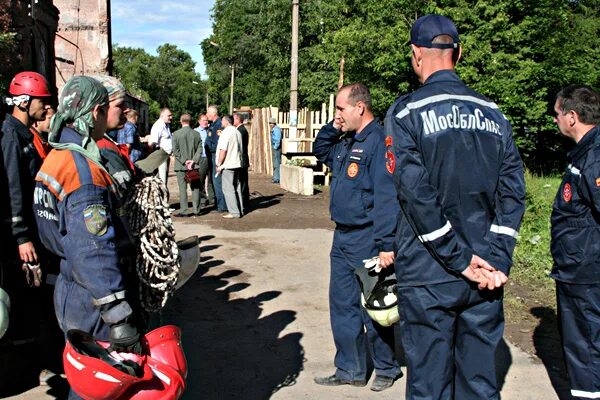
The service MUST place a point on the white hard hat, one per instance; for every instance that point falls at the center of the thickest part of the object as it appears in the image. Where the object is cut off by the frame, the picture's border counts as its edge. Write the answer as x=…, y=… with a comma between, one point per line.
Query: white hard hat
x=382, y=303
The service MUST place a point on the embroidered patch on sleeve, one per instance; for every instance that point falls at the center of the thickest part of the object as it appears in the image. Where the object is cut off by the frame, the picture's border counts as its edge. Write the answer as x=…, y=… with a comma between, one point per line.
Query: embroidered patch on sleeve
x=567, y=193
x=390, y=161
x=95, y=219
x=389, y=141
x=597, y=181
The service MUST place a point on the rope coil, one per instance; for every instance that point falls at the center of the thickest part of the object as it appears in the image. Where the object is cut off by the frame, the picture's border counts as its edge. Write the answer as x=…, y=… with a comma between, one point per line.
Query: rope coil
x=157, y=259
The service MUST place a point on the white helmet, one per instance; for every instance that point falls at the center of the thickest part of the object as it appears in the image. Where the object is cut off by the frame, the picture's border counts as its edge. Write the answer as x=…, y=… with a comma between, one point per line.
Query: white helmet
x=4, y=310
x=382, y=303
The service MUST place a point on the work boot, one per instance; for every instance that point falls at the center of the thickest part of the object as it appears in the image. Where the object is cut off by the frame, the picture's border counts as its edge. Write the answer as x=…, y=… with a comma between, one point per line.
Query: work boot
x=334, y=380
x=381, y=383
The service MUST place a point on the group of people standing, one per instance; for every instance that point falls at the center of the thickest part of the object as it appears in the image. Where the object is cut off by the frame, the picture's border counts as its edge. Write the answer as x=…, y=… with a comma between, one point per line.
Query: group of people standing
x=437, y=196
x=217, y=149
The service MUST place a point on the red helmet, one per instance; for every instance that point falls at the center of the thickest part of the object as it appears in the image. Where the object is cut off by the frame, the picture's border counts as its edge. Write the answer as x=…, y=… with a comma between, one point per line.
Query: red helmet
x=96, y=374
x=29, y=83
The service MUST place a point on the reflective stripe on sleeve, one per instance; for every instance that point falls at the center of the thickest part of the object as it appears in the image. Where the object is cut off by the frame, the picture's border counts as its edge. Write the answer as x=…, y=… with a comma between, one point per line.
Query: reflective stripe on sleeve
x=438, y=233
x=110, y=298
x=504, y=230
x=573, y=170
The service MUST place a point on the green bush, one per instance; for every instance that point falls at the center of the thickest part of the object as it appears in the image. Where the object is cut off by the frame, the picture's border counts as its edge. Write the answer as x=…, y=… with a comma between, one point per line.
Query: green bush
x=532, y=260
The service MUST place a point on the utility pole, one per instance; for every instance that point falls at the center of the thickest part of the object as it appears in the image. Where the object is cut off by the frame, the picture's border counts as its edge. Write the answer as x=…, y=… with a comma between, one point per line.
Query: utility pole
x=232, y=66
x=294, y=77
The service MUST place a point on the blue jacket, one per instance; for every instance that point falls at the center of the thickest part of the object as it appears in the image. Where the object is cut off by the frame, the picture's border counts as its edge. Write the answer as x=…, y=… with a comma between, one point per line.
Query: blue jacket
x=459, y=179
x=81, y=220
x=362, y=191
x=575, y=217
x=276, y=138
x=214, y=131
x=20, y=163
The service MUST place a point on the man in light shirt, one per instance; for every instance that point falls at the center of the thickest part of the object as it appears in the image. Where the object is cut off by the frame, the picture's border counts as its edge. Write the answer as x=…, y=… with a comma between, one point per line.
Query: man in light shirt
x=160, y=137
x=229, y=163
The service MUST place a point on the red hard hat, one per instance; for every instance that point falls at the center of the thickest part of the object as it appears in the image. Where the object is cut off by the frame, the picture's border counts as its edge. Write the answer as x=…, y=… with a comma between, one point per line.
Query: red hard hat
x=29, y=83
x=96, y=374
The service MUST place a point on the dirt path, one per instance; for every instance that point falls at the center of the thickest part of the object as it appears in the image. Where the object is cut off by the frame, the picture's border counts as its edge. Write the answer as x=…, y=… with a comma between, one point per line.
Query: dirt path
x=255, y=315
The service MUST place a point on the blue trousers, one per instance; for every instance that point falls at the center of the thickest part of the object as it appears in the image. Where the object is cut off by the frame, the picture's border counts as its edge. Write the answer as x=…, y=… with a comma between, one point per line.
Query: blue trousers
x=450, y=332
x=348, y=317
x=220, y=198
x=579, y=319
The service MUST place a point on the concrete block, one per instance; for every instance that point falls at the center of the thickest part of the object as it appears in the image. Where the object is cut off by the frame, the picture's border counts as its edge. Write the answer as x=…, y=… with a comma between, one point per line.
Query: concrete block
x=297, y=179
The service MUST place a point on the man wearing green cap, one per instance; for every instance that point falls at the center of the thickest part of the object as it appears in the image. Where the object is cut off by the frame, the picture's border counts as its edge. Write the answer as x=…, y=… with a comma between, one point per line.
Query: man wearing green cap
x=80, y=218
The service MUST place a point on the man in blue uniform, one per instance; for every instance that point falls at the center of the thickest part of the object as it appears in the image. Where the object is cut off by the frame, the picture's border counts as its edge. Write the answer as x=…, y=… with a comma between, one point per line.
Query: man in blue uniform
x=461, y=189
x=214, y=131
x=576, y=240
x=364, y=208
x=81, y=219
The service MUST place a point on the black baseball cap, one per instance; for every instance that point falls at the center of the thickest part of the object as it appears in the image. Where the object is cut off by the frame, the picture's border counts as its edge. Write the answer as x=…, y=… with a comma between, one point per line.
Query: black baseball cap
x=427, y=27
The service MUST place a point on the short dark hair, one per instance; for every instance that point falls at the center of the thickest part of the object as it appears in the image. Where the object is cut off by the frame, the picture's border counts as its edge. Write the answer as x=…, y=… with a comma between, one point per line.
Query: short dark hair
x=581, y=99
x=358, y=92
x=229, y=118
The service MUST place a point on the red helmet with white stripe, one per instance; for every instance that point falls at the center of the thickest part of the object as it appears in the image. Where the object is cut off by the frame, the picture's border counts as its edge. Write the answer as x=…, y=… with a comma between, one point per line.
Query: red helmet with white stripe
x=96, y=374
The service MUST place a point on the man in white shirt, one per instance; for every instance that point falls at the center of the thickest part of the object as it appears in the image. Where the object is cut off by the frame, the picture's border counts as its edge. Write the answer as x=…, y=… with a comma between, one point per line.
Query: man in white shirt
x=229, y=163
x=160, y=137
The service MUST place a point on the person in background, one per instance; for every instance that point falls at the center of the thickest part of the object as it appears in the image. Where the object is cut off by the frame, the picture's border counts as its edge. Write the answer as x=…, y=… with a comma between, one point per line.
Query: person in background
x=214, y=131
x=229, y=162
x=40, y=130
x=207, y=192
x=461, y=188
x=161, y=137
x=275, y=148
x=238, y=122
x=115, y=157
x=187, y=150
x=575, y=243
x=129, y=137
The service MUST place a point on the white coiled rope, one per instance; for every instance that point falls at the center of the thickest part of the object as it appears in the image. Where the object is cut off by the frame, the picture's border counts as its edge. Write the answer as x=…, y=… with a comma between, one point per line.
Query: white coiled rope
x=157, y=260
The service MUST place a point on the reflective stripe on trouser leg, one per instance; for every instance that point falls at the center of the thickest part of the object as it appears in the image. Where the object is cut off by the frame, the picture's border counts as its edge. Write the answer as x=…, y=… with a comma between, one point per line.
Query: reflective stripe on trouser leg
x=579, y=316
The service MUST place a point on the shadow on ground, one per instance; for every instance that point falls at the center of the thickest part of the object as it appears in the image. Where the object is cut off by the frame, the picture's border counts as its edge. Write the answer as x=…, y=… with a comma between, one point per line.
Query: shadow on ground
x=546, y=339
x=233, y=350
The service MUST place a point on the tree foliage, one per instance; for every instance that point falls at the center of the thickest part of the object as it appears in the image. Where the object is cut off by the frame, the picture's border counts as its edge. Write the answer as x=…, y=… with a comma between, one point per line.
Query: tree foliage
x=165, y=80
x=519, y=53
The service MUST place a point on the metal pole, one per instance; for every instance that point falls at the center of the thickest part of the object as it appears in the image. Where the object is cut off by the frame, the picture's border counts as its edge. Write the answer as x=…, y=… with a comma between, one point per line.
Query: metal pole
x=294, y=77
x=231, y=89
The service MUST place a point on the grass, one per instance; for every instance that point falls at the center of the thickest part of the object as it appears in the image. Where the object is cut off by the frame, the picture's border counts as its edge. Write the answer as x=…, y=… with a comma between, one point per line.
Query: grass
x=532, y=260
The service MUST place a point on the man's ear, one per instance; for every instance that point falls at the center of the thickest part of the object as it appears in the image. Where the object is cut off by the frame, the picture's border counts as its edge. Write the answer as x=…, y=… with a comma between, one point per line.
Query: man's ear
x=456, y=56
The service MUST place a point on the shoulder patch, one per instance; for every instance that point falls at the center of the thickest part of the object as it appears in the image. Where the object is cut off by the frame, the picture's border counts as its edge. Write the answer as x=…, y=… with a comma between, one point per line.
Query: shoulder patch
x=95, y=219
x=597, y=181
x=567, y=192
x=389, y=141
x=390, y=161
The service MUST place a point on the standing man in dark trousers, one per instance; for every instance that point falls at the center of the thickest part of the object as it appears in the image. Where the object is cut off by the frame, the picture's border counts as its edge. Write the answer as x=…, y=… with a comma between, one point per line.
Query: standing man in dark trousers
x=576, y=240
x=461, y=188
x=187, y=150
x=28, y=98
x=364, y=208
x=207, y=193
x=214, y=131
x=239, y=124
